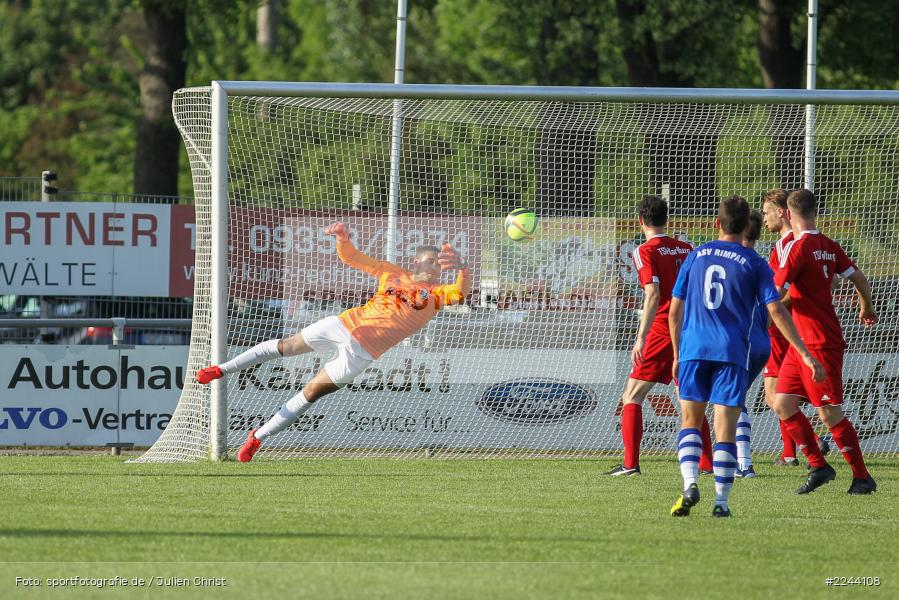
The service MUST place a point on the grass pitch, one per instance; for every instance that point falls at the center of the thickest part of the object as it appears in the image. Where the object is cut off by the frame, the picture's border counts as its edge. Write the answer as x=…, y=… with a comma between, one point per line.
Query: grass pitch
x=379, y=528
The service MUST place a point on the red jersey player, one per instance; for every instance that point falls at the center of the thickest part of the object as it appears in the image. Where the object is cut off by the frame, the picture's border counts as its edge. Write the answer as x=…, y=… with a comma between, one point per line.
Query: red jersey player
x=810, y=262
x=657, y=262
x=774, y=209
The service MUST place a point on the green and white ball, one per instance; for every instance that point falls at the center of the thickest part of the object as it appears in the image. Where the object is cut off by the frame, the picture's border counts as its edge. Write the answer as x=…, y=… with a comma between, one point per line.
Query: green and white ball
x=521, y=224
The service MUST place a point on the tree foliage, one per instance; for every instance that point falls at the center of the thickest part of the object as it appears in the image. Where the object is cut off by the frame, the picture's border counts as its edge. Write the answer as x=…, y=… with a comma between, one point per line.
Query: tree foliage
x=69, y=70
x=68, y=100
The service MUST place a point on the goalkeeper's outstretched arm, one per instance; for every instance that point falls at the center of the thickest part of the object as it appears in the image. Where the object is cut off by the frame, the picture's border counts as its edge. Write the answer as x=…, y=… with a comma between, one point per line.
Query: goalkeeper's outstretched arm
x=454, y=293
x=352, y=257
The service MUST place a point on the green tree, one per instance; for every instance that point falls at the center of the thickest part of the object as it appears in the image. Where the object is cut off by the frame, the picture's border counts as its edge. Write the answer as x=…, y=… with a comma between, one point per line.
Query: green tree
x=164, y=51
x=71, y=70
x=362, y=40
x=857, y=44
x=68, y=98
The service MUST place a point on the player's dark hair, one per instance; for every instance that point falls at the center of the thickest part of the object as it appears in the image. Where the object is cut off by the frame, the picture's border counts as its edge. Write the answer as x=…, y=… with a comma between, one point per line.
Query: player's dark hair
x=803, y=203
x=733, y=214
x=653, y=210
x=422, y=249
x=753, y=230
x=777, y=197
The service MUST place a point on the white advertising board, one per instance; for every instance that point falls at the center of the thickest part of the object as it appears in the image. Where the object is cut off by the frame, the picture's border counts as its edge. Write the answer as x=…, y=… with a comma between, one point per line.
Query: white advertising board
x=88, y=395
x=462, y=398
x=85, y=248
x=541, y=399
x=95, y=395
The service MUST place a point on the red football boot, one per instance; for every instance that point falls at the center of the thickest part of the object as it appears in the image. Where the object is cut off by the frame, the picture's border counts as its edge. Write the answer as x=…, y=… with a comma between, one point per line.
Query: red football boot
x=208, y=374
x=249, y=448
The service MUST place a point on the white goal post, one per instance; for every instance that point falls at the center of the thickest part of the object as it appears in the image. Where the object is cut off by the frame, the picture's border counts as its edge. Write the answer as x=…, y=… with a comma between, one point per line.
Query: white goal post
x=534, y=363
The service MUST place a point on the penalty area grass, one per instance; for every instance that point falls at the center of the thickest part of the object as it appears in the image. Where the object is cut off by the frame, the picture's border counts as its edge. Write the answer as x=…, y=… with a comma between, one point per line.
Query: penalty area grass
x=381, y=528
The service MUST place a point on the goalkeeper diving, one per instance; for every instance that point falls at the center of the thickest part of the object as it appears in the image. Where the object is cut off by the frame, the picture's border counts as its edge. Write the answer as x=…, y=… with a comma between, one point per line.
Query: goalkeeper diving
x=404, y=303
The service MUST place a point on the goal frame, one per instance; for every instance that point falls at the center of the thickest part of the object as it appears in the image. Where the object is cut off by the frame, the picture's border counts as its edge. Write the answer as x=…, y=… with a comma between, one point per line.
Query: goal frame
x=222, y=90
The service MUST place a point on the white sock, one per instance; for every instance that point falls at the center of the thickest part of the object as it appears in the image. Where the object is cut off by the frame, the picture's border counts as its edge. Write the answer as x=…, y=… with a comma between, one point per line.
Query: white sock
x=257, y=354
x=689, y=448
x=744, y=433
x=289, y=413
x=725, y=463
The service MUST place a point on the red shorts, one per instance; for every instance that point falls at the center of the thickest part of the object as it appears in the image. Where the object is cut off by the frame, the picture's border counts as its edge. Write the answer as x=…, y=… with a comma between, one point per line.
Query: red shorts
x=796, y=379
x=779, y=347
x=658, y=358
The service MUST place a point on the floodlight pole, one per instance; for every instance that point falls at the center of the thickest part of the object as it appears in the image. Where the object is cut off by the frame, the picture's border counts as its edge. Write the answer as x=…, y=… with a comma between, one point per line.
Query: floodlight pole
x=810, y=83
x=396, y=136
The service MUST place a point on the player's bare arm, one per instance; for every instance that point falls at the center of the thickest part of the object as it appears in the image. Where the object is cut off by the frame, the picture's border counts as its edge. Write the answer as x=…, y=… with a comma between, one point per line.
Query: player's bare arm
x=785, y=297
x=784, y=322
x=782, y=291
x=675, y=326
x=785, y=300
x=651, y=297
x=867, y=313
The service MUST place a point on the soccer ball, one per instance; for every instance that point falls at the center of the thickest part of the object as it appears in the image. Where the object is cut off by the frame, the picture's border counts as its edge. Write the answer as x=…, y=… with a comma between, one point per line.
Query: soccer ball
x=521, y=224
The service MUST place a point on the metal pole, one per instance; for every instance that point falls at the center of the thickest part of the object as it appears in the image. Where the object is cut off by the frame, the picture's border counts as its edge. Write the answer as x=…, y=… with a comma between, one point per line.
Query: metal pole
x=810, y=83
x=396, y=137
x=218, y=401
x=48, y=186
x=48, y=194
x=118, y=330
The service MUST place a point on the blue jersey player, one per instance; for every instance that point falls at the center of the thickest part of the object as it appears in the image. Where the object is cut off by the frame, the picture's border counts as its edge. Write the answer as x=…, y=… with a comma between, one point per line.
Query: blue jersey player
x=713, y=307
x=759, y=351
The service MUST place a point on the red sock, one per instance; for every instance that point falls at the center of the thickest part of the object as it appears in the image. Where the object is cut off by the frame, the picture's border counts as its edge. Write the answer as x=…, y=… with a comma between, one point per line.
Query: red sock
x=789, y=444
x=632, y=433
x=705, y=461
x=847, y=440
x=804, y=436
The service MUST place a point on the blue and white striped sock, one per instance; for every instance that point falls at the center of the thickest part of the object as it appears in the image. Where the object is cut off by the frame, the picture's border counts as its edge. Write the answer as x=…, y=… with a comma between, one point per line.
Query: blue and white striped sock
x=689, y=448
x=744, y=434
x=724, y=463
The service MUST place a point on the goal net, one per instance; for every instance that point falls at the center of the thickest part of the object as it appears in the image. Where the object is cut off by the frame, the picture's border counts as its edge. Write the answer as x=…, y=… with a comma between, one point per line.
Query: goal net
x=535, y=361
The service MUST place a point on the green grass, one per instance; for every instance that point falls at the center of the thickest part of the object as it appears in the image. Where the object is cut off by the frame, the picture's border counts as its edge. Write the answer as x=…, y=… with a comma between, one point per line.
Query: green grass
x=437, y=529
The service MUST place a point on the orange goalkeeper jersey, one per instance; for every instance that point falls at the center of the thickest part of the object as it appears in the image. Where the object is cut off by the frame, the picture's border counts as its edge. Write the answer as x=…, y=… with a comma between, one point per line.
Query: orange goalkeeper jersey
x=400, y=307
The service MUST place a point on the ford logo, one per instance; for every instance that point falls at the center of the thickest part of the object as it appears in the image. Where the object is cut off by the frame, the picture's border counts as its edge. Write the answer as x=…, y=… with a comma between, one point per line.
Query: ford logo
x=536, y=401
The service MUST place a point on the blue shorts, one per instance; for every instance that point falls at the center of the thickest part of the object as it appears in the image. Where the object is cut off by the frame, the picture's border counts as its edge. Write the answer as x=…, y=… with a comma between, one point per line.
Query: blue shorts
x=757, y=364
x=712, y=381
